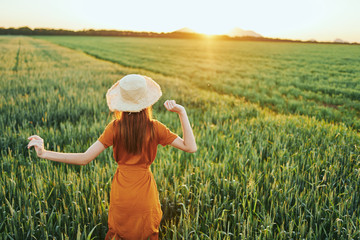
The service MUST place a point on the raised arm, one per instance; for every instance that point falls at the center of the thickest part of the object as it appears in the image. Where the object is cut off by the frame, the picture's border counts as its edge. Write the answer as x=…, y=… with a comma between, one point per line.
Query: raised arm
x=71, y=158
x=188, y=143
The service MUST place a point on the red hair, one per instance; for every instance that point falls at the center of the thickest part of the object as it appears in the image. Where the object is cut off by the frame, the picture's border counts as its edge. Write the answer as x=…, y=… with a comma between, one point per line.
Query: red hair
x=132, y=129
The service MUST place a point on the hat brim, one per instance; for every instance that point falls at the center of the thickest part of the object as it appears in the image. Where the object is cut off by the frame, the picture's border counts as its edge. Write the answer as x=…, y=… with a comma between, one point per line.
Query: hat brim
x=117, y=103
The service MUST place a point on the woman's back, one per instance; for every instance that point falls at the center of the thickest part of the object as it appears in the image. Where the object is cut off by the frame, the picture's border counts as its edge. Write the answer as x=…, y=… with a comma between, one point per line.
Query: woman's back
x=162, y=135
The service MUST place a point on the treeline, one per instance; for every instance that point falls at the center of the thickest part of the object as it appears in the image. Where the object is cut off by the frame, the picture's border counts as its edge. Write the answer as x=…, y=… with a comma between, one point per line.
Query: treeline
x=64, y=32
x=175, y=34
x=92, y=32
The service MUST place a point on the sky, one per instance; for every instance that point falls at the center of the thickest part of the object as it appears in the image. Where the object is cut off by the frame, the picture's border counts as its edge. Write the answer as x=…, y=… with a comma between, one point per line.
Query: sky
x=323, y=20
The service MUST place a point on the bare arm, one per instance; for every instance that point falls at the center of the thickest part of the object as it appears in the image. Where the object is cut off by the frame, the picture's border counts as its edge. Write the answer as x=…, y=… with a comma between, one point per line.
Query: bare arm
x=188, y=143
x=70, y=158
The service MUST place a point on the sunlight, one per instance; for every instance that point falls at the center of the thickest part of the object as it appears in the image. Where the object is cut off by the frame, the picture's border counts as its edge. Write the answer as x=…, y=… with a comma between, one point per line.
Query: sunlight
x=210, y=30
x=307, y=19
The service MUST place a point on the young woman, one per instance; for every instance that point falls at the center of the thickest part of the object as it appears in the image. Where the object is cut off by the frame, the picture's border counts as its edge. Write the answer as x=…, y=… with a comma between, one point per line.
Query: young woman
x=134, y=211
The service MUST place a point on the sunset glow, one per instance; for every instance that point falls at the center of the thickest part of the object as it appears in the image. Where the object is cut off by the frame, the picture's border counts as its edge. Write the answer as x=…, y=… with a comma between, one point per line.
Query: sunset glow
x=323, y=20
x=208, y=30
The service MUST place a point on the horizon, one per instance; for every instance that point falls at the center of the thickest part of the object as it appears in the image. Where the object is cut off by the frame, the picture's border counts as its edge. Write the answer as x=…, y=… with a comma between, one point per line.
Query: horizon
x=310, y=19
x=337, y=40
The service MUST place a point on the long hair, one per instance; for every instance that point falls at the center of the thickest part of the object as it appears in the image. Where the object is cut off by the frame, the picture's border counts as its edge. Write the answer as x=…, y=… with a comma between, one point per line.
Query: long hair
x=132, y=129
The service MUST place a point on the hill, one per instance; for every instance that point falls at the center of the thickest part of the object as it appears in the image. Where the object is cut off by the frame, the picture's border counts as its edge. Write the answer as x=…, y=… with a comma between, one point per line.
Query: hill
x=238, y=32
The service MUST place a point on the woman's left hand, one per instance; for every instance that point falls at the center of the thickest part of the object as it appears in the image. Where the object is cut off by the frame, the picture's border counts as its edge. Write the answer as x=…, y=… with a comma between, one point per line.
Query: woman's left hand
x=172, y=106
x=38, y=143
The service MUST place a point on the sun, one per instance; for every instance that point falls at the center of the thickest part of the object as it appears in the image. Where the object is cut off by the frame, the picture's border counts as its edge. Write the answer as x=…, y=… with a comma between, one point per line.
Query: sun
x=211, y=30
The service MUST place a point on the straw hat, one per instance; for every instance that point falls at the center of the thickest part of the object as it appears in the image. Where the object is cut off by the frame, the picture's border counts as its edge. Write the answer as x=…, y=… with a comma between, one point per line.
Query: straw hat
x=133, y=93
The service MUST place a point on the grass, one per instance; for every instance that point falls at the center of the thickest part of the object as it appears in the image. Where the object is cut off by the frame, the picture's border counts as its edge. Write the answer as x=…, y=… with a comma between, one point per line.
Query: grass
x=258, y=173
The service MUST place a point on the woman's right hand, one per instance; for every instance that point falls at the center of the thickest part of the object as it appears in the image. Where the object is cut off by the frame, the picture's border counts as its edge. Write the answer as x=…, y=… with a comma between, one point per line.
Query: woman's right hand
x=172, y=106
x=38, y=143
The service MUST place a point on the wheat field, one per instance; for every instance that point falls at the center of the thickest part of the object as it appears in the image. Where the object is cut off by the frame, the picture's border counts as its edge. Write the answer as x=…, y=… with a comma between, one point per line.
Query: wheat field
x=276, y=124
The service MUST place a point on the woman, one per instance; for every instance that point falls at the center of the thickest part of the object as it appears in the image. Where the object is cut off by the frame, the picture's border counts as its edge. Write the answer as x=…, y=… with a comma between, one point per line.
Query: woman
x=134, y=211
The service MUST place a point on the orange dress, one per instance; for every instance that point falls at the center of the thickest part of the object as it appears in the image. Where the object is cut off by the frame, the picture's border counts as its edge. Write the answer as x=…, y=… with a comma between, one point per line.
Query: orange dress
x=135, y=211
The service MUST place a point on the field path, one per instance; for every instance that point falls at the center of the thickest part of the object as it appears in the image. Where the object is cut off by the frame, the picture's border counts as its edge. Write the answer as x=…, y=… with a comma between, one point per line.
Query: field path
x=15, y=68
